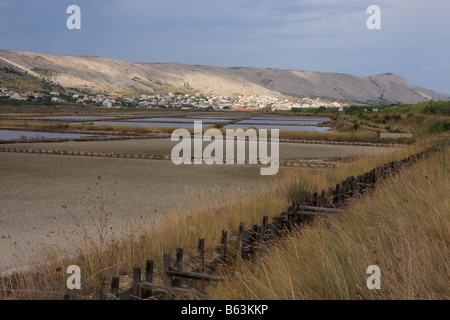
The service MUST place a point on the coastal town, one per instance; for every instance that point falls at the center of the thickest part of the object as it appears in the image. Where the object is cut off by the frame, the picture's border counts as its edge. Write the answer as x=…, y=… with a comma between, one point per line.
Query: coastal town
x=173, y=100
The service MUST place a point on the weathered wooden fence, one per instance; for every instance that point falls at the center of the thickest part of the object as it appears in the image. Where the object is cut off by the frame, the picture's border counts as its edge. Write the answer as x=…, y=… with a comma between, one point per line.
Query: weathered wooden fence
x=180, y=283
x=288, y=163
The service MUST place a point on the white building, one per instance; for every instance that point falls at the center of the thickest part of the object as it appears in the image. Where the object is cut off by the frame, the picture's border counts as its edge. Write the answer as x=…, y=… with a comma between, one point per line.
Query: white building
x=17, y=96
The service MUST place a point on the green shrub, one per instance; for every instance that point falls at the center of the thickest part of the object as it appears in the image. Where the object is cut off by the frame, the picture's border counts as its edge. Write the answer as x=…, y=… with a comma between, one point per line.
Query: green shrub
x=436, y=107
x=440, y=126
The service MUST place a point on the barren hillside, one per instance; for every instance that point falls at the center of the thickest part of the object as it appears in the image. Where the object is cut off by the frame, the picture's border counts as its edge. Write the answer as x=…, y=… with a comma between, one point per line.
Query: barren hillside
x=97, y=74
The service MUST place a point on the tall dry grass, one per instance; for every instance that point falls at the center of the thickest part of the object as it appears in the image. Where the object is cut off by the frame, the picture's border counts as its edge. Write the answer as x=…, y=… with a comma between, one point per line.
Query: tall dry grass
x=403, y=227
x=103, y=249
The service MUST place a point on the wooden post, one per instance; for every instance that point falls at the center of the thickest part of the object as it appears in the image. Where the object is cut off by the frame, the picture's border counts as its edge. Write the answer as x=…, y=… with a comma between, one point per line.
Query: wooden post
x=166, y=267
x=253, y=241
x=201, y=252
x=264, y=229
x=136, y=280
x=340, y=191
x=149, y=271
x=240, y=244
x=223, y=245
x=353, y=191
x=322, y=198
x=179, y=259
x=176, y=282
x=115, y=286
x=336, y=194
x=101, y=293
x=246, y=243
x=148, y=278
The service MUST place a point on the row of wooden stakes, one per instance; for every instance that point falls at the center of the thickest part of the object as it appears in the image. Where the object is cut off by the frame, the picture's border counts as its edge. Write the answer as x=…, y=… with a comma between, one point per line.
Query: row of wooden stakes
x=246, y=242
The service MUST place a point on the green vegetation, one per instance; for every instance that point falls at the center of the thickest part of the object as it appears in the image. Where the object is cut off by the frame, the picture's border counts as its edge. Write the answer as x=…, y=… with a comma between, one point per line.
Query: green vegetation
x=40, y=102
x=440, y=127
x=19, y=82
x=429, y=107
x=420, y=119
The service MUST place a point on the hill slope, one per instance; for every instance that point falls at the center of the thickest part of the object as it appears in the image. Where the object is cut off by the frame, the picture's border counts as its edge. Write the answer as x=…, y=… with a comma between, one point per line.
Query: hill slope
x=97, y=74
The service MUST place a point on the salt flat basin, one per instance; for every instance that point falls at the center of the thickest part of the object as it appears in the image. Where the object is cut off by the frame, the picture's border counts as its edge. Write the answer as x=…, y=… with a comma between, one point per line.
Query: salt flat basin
x=16, y=134
x=68, y=117
x=280, y=122
x=146, y=124
x=223, y=117
x=290, y=118
x=165, y=146
x=140, y=115
x=93, y=117
x=181, y=120
x=303, y=128
x=34, y=189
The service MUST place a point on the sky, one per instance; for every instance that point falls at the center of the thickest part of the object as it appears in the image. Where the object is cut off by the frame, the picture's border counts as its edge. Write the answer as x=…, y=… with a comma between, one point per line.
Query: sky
x=312, y=35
